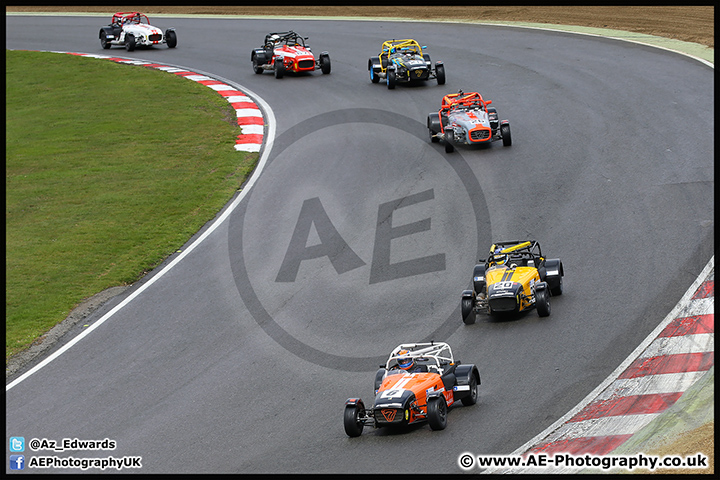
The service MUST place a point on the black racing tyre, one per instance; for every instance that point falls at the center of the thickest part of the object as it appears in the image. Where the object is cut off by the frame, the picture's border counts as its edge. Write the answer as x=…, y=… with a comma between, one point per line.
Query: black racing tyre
x=374, y=78
x=437, y=412
x=325, y=64
x=256, y=66
x=130, y=43
x=171, y=38
x=433, y=125
x=279, y=68
x=103, y=41
x=353, y=426
x=505, y=134
x=542, y=302
x=472, y=398
x=440, y=74
x=449, y=146
x=391, y=79
x=468, y=311
x=557, y=289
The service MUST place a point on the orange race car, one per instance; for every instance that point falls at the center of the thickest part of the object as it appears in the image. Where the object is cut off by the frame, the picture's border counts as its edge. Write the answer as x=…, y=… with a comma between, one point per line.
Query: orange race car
x=467, y=119
x=418, y=383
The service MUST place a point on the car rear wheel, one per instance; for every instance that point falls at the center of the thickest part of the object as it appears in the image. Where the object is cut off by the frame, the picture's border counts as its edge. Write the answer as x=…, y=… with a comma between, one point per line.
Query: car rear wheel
x=171, y=38
x=542, y=302
x=468, y=311
x=472, y=398
x=130, y=43
x=103, y=41
x=558, y=288
x=351, y=419
x=505, y=134
x=256, y=66
x=437, y=412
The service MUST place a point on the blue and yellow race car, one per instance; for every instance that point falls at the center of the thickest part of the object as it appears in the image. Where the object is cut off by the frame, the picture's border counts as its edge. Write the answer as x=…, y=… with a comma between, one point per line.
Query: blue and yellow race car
x=404, y=61
x=515, y=277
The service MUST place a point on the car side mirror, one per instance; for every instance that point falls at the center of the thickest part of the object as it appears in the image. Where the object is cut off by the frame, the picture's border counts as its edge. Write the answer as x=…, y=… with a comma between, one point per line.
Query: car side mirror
x=488, y=102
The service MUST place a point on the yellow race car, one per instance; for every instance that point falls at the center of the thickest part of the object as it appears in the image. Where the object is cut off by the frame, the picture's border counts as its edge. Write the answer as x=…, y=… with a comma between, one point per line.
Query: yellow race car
x=404, y=61
x=515, y=277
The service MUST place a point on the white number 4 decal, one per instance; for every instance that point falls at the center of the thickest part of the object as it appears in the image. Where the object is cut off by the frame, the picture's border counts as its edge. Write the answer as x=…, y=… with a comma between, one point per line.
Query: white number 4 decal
x=397, y=389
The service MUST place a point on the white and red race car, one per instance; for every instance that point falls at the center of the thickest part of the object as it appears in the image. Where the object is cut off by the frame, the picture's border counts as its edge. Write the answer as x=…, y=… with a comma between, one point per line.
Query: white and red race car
x=132, y=29
x=287, y=52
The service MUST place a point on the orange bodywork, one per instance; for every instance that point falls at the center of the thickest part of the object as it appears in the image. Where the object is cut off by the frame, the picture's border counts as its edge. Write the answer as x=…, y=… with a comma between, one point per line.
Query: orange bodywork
x=420, y=383
x=464, y=99
x=480, y=133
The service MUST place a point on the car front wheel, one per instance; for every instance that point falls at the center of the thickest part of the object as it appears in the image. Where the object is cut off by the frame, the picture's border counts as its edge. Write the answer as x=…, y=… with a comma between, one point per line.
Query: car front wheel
x=440, y=74
x=437, y=413
x=171, y=38
x=351, y=420
x=130, y=43
x=279, y=68
x=448, y=146
x=468, y=311
x=325, y=64
x=391, y=79
x=505, y=134
x=542, y=302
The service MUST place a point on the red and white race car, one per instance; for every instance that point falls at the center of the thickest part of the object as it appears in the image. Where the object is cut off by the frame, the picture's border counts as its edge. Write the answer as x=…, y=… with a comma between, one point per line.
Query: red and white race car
x=132, y=29
x=287, y=52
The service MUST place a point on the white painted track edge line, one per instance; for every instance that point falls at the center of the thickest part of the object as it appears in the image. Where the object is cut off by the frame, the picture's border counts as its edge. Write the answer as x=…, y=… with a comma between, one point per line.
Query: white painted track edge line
x=269, y=140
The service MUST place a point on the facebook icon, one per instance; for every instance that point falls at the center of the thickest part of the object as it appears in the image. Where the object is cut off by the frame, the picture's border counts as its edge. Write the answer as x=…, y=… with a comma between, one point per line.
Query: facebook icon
x=17, y=462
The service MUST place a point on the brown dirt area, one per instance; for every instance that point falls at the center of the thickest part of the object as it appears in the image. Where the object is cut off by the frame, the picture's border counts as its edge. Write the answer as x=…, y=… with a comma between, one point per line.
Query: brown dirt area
x=691, y=24
x=687, y=23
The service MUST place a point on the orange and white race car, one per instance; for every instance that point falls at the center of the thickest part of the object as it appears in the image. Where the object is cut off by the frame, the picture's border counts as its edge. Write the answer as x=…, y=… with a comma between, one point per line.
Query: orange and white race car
x=467, y=119
x=418, y=383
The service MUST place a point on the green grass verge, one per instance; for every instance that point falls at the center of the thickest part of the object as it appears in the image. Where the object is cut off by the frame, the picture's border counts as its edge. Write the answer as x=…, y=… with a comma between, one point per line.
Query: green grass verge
x=109, y=169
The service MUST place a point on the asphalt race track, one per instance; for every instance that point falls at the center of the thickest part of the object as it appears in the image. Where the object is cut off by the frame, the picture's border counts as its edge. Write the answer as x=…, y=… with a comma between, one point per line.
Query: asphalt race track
x=360, y=234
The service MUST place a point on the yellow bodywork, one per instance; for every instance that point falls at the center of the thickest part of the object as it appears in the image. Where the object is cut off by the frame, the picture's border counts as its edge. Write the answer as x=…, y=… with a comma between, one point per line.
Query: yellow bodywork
x=526, y=276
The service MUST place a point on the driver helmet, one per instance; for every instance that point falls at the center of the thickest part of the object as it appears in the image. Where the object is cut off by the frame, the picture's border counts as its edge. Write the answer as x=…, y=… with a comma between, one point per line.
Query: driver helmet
x=404, y=360
x=500, y=259
x=274, y=39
